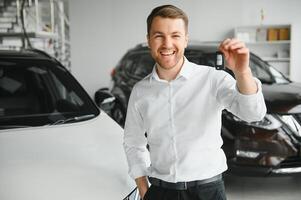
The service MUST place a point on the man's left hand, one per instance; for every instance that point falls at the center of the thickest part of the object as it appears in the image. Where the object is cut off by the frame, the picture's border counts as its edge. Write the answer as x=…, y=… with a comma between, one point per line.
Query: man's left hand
x=236, y=55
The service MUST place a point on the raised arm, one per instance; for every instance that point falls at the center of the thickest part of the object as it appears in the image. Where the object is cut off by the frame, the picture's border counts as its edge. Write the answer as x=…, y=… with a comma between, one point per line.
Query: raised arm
x=237, y=56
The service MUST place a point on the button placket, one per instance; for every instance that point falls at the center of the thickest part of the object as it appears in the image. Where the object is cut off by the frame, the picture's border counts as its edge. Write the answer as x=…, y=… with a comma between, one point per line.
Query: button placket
x=173, y=141
x=170, y=103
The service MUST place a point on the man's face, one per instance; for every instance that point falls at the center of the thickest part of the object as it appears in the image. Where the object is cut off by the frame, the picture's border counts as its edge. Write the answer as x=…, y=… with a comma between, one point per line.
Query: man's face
x=167, y=40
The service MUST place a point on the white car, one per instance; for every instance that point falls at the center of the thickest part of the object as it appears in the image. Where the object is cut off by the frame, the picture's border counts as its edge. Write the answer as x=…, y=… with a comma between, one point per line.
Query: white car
x=54, y=142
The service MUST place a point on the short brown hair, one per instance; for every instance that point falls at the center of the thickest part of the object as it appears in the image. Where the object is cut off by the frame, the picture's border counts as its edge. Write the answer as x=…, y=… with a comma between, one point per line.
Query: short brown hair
x=166, y=11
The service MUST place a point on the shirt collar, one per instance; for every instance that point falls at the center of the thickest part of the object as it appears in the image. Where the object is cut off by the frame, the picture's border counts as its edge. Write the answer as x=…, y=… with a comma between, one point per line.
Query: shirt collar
x=186, y=71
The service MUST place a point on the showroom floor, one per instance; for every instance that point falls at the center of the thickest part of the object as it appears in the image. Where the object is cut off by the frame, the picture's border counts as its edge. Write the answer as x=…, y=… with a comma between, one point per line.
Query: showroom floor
x=263, y=188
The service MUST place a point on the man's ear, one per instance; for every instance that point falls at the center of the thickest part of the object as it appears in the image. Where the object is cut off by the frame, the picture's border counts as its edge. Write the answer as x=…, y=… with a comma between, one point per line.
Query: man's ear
x=186, y=40
x=147, y=38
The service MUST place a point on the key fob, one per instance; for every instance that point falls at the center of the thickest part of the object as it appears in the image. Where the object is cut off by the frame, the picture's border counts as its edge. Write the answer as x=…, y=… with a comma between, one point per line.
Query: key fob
x=219, y=61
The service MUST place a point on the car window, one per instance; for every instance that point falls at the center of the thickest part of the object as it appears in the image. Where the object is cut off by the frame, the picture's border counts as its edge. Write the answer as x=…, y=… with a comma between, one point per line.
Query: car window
x=200, y=58
x=143, y=65
x=37, y=93
x=260, y=69
x=279, y=78
x=139, y=64
x=260, y=73
x=266, y=73
x=194, y=57
x=128, y=63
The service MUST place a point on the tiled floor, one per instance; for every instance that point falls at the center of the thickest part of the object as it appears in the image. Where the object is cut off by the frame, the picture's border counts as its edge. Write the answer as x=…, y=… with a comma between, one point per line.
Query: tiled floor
x=263, y=188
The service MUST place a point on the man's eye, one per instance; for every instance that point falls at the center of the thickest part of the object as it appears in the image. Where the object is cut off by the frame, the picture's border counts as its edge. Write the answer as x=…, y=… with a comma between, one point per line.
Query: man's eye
x=158, y=36
x=176, y=36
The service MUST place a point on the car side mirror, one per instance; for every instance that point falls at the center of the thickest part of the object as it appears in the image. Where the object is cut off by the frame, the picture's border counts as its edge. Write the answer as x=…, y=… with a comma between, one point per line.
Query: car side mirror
x=104, y=99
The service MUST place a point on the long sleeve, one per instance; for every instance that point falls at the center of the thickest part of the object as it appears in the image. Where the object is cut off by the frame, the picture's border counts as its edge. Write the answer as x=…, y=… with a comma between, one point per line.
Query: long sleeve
x=135, y=140
x=247, y=107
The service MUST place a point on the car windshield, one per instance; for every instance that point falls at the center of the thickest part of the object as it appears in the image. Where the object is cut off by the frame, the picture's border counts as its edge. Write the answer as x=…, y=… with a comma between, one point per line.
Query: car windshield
x=39, y=92
x=265, y=72
x=279, y=78
x=260, y=69
x=142, y=64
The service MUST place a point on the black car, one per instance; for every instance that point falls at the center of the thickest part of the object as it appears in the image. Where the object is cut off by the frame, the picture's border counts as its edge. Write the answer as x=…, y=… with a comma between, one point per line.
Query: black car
x=270, y=146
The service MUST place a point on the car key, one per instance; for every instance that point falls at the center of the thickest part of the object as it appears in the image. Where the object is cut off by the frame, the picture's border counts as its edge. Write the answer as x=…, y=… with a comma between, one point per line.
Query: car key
x=219, y=61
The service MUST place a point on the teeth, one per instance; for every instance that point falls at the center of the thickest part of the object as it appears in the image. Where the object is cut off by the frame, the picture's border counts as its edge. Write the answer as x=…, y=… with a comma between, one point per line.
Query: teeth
x=167, y=53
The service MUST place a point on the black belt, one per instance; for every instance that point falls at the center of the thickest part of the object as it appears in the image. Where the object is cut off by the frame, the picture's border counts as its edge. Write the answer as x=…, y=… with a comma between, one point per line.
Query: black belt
x=182, y=185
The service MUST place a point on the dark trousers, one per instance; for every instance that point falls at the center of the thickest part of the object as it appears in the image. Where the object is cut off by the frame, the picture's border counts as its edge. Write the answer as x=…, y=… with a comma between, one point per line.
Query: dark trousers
x=209, y=191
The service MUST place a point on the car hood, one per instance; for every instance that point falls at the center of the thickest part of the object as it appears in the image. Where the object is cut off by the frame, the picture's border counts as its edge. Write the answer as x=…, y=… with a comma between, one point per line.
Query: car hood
x=282, y=98
x=78, y=161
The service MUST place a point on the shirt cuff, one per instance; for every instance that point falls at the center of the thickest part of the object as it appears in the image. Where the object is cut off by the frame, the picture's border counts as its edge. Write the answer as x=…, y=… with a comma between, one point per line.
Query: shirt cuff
x=137, y=171
x=250, y=97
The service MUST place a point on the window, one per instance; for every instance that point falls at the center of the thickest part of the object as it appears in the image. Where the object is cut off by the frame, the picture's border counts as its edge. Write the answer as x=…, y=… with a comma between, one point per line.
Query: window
x=260, y=73
x=266, y=73
x=198, y=57
x=40, y=92
x=143, y=66
x=139, y=64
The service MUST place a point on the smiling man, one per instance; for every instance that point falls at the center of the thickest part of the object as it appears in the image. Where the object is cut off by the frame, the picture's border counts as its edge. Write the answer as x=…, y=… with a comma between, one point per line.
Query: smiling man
x=179, y=107
x=167, y=39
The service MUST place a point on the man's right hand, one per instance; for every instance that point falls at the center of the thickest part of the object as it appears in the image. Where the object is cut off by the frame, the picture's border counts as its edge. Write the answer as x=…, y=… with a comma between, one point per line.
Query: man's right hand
x=142, y=185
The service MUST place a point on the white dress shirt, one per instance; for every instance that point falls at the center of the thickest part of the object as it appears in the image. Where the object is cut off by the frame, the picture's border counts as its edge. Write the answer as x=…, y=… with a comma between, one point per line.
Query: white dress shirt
x=182, y=119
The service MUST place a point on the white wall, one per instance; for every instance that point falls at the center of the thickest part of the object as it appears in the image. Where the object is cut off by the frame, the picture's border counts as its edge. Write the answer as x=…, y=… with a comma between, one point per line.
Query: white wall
x=102, y=31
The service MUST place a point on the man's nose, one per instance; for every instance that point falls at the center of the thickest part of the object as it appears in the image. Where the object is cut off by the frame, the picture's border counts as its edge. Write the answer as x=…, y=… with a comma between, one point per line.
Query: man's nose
x=167, y=42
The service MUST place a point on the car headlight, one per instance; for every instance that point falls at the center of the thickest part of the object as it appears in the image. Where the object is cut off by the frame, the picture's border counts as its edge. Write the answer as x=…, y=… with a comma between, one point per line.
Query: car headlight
x=269, y=122
x=247, y=154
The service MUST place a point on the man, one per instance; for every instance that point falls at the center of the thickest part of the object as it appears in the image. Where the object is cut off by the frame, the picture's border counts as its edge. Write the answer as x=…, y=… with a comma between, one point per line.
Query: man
x=179, y=106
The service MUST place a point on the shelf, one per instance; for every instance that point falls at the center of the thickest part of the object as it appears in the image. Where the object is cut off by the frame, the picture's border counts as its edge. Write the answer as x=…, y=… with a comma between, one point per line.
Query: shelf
x=275, y=42
x=264, y=26
x=274, y=59
x=272, y=43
